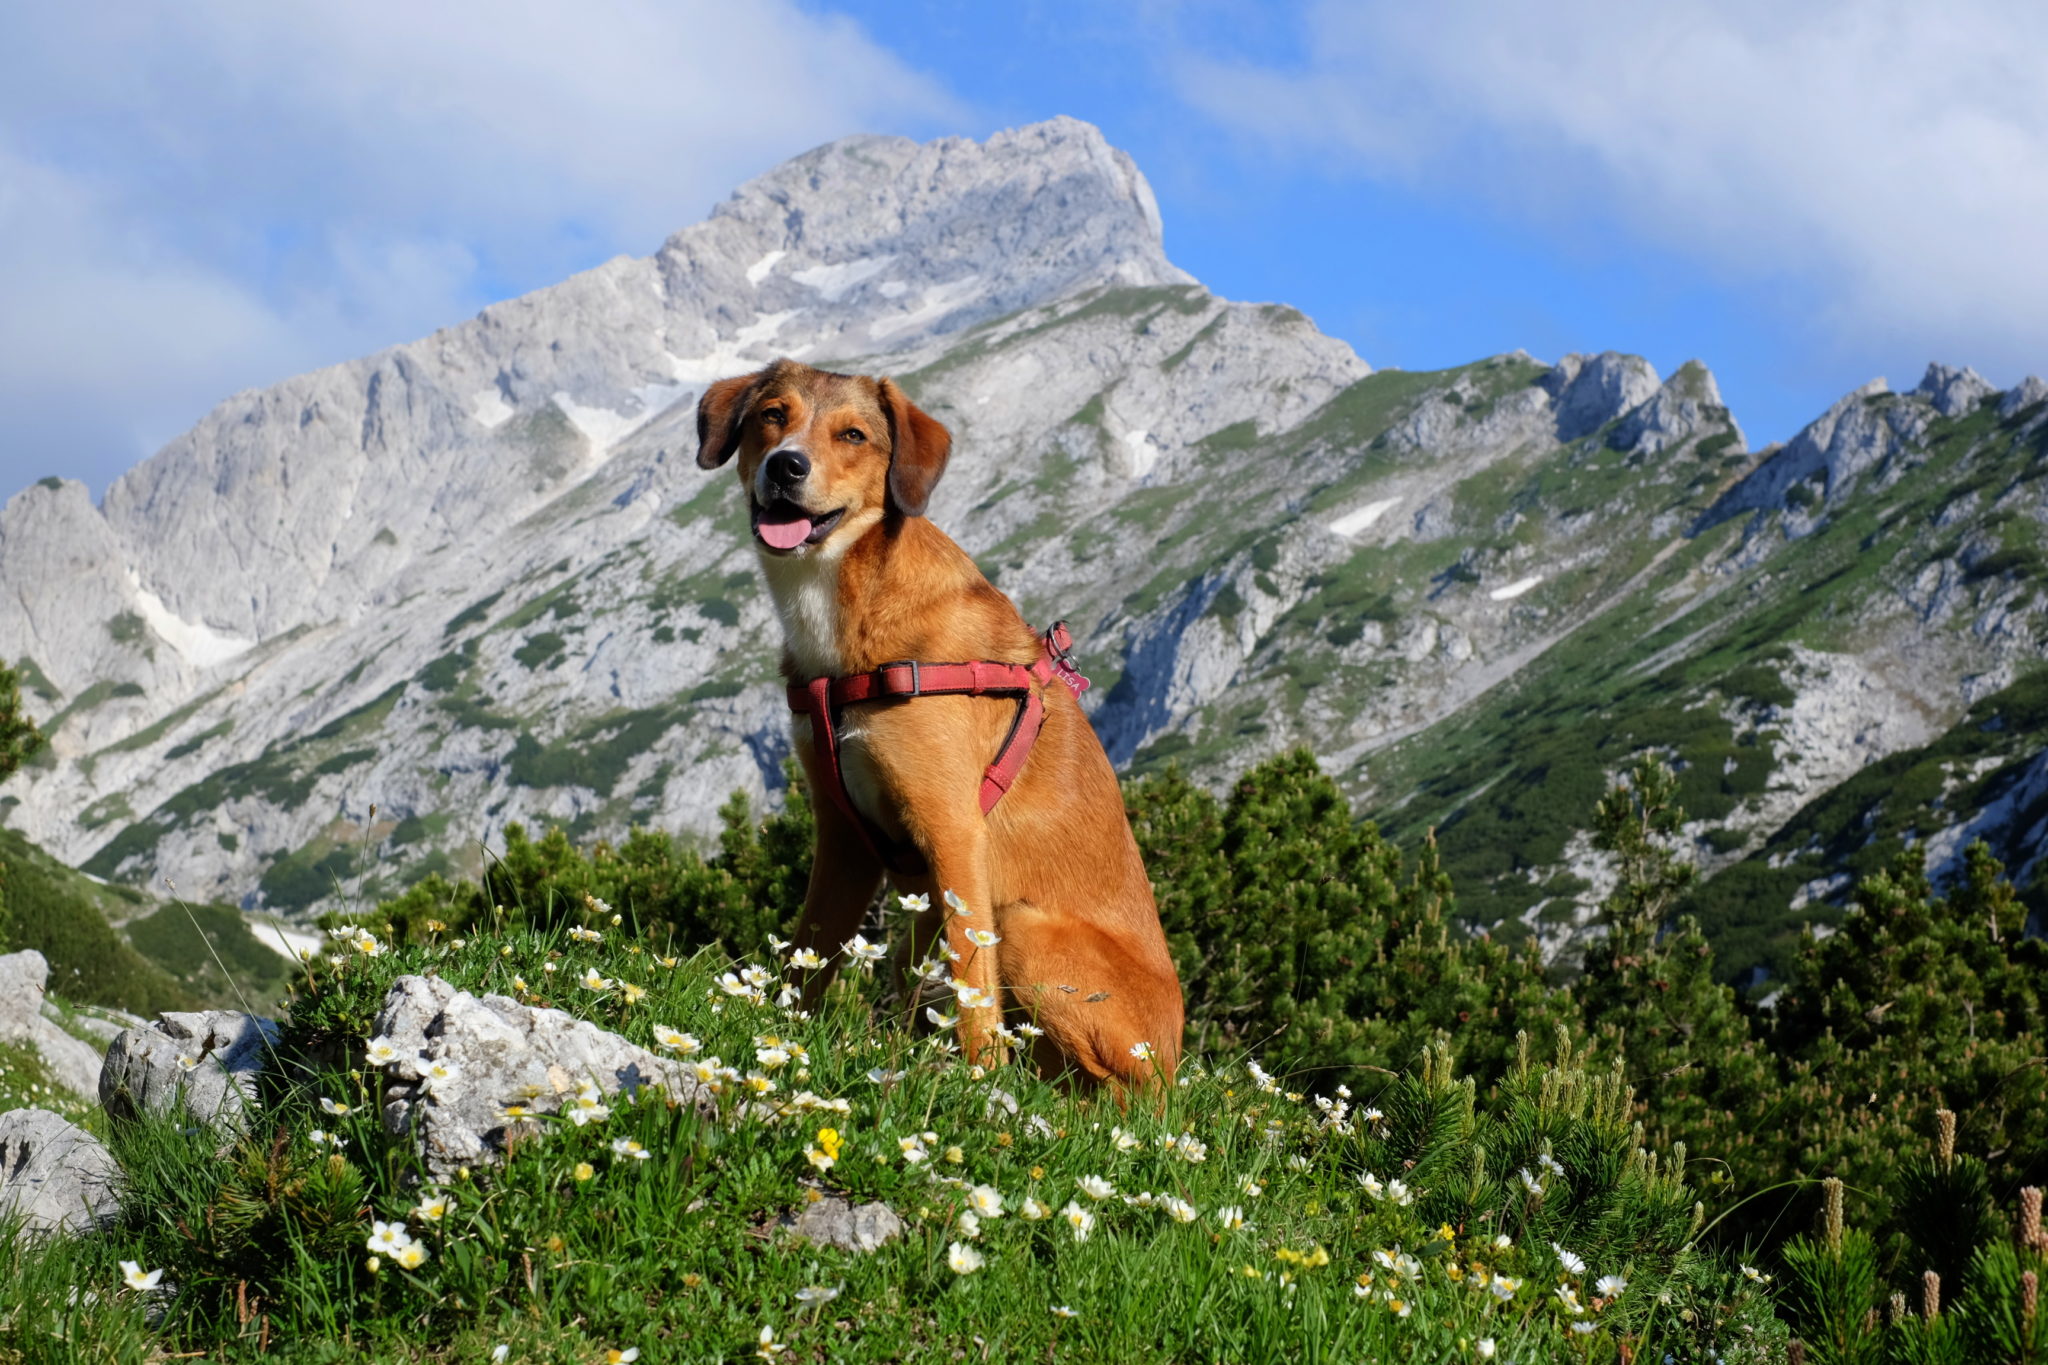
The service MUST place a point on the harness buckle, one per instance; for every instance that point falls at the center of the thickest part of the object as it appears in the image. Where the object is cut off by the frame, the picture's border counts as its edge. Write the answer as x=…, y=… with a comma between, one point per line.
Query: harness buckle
x=916, y=679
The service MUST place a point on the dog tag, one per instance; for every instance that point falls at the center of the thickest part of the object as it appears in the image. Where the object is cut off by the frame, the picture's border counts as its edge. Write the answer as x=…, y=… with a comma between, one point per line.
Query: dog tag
x=1074, y=681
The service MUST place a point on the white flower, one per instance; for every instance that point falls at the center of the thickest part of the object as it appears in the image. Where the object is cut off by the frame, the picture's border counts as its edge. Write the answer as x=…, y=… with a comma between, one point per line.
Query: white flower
x=1253, y=1189
x=1569, y=1298
x=1549, y=1163
x=1261, y=1078
x=985, y=1200
x=629, y=1150
x=1180, y=1210
x=808, y=960
x=434, y=1207
x=944, y=1021
x=1399, y=1192
x=335, y=1107
x=1529, y=1182
x=594, y=980
x=769, y=1347
x=500, y=1353
x=1124, y=1139
x=321, y=1138
x=1031, y=1030
x=859, y=948
x=956, y=905
x=381, y=1052
x=675, y=1040
x=582, y=935
x=971, y=996
x=1231, y=1217
x=1572, y=1264
x=776, y=945
x=387, y=1236
x=915, y=904
x=440, y=1073
x=772, y=1057
x=411, y=1256
x=984, y=938
x=1143, y=1052
x=1371, y=1115
x=1060, y=1310
x=1484, y=1348
x=1584, y=1328
x=816, y=1294
x=132, y=1274
x=1031, y=1211
x=964, y=1259
x=1751, y=1272
x=883, y=1076
x=913, y=1150
x=1095, y=1187
x=970, y=1224
x=1503, y=1287
x=1079, y=1219
x=1609, y=1286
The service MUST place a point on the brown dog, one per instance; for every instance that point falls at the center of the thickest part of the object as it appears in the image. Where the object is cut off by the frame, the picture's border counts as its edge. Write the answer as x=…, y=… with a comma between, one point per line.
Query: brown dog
x=837, y=471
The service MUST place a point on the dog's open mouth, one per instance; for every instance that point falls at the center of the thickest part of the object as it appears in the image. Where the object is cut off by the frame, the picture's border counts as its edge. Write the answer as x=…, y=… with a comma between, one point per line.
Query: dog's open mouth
x=782, y=525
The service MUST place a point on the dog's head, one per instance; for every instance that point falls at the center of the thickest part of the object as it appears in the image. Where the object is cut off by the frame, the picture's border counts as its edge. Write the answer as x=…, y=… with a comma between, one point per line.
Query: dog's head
x=820, y=454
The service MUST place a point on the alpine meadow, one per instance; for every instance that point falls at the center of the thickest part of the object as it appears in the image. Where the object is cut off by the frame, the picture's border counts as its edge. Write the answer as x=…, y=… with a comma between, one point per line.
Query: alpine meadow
x=1604, y=861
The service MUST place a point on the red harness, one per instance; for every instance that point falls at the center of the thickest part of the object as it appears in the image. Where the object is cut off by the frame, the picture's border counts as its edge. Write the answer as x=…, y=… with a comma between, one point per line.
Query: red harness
x=821, y=698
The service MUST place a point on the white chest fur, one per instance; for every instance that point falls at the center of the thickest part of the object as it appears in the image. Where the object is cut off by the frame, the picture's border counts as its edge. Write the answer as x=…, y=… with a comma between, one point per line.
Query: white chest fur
x=805, y=592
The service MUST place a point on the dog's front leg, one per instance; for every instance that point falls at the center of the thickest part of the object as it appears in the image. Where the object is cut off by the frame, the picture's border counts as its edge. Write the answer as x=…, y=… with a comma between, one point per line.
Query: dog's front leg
x=958, y=853
x=844, y=875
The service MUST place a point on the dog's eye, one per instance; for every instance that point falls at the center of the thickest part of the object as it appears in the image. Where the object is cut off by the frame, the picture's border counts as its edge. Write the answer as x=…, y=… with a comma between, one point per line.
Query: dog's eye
x=774, y=416
x=853, y=435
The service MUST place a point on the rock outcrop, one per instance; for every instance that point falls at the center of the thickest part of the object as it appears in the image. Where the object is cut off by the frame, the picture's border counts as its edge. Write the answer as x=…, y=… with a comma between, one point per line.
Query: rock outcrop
x=461, y=1062
x=55, y=1176
x=205, y=1065
x=71, y=1062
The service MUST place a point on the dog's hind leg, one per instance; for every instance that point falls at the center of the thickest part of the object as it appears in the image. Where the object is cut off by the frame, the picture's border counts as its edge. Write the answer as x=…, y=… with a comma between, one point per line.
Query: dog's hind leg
x=1109, y=1012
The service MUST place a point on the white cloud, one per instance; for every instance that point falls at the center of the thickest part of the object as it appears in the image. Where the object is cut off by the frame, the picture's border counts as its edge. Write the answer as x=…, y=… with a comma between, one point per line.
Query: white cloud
x=1888, y=159
x=210, y=196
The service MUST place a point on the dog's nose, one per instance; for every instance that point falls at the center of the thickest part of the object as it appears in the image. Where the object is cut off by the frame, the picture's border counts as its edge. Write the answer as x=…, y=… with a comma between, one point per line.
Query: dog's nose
x=787, y=468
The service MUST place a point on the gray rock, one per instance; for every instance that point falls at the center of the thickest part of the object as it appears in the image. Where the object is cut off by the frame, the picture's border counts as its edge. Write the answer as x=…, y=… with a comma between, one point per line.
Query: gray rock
x=500, y=1053
x=206, y=1064
x=837, y=1222
x=1685, y=407
x=1861, y=433
x=2022, y=396
x=73, y=1064
x=55, y=1176
x=1953, y=392
x=1588, y=392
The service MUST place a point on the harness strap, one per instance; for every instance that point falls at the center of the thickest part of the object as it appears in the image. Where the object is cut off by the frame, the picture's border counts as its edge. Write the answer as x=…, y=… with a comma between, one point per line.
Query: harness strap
x=820, y=699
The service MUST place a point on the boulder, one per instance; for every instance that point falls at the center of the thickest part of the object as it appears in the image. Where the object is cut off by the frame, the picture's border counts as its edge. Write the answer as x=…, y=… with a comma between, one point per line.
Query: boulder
x=2021, y=396
x=54, y=1176
x=206, y=1063
x=73, y=1064
x=494, y=1052
x=836, y=1222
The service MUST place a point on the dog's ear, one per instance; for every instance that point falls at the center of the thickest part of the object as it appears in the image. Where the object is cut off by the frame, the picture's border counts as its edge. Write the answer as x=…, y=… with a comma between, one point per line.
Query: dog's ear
x=718, y=419
x=918, y=446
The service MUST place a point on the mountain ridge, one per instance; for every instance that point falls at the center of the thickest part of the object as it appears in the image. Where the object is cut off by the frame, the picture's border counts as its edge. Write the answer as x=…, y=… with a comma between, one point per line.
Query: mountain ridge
x=349, y=626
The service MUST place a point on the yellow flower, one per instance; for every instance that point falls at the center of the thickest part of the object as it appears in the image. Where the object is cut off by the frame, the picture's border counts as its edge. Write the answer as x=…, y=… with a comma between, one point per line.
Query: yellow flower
x=584, y=1170
x=412, y=1255
x=828, y=1142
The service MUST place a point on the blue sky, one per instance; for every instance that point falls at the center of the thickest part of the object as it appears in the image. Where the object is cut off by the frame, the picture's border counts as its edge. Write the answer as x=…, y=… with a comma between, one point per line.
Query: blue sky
x=209, y=197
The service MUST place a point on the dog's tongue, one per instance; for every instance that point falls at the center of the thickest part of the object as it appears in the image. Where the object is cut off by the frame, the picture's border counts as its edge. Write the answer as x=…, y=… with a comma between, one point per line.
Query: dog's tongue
x=785, y=535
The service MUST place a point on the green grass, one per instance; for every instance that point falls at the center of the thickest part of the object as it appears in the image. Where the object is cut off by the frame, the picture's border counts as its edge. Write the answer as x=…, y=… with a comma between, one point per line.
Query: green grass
x=674, y=1254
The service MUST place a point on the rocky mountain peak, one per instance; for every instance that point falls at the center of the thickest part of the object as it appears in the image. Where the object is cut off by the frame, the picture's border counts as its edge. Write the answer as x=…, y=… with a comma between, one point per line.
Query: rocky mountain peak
x=1953, y=392
x=1589, y=391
